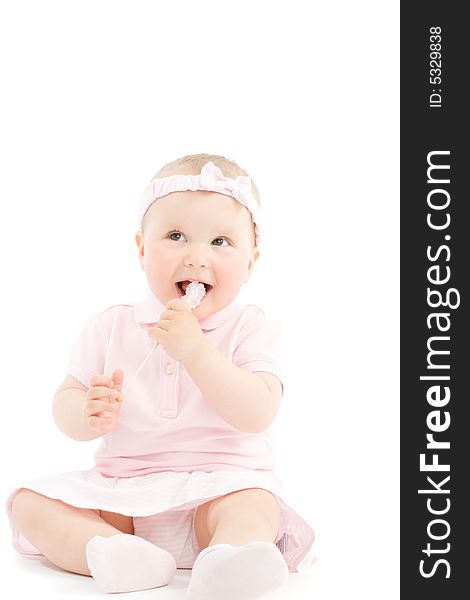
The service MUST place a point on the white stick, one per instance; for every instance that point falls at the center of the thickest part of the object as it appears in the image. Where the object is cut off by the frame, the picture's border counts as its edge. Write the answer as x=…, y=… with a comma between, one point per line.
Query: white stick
x=139, y=369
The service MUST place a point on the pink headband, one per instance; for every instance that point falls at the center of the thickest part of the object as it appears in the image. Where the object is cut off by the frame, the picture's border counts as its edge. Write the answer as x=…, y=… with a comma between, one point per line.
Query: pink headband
x=210, y=179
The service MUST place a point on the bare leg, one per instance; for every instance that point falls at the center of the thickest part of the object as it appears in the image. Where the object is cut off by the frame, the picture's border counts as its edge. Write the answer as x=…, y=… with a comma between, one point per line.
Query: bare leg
x=60, y=531
x=238, y=518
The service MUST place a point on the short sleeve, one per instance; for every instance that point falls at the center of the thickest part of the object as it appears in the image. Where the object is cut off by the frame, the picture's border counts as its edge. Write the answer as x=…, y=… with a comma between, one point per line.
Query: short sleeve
x=260, y=345
x=88, y=354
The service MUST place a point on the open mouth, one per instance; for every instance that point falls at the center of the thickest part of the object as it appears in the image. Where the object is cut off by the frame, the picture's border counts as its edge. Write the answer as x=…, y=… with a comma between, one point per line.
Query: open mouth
x=182, y=285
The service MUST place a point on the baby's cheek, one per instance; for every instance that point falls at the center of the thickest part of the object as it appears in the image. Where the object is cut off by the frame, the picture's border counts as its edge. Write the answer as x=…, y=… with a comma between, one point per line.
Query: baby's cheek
x=232, y=277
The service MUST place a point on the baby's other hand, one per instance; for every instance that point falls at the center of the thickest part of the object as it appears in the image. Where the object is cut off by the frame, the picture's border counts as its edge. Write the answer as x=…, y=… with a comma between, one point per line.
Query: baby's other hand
x=104, y=400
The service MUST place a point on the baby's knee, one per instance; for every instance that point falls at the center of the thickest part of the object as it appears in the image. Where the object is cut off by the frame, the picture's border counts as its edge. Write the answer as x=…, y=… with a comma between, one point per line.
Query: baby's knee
x=31, y=510
x=266, y=504
x=248, y=502
x=24, y=506
x=258, y=499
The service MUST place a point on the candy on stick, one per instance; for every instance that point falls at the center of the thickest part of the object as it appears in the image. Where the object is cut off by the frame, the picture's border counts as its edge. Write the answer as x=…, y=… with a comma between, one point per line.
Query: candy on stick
x=193, y=296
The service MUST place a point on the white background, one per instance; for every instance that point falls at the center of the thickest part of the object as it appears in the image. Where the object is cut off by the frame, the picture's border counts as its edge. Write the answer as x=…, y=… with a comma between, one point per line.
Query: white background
x=96, y=97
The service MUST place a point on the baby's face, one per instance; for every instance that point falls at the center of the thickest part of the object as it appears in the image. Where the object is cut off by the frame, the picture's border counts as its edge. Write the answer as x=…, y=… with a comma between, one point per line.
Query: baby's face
x=200, y=236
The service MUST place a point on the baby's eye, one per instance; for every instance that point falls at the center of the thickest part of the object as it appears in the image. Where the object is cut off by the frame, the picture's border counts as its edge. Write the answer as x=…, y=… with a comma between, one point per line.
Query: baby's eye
x=220, y=240
x=175, y=233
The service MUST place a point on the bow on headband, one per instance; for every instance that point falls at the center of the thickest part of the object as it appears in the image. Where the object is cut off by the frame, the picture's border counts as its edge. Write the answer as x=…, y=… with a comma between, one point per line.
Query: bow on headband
x=210, y=179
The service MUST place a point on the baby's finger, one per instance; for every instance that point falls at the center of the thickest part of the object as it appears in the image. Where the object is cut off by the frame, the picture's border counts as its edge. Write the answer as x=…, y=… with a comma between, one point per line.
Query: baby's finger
x=100, y=424
x=102, y=392
x=101, y=380
x=105, y=415
x=177, y=304
x=93, y=407
x=117, y=379
x=166, y=314
x=164, y=324
x=158, y=334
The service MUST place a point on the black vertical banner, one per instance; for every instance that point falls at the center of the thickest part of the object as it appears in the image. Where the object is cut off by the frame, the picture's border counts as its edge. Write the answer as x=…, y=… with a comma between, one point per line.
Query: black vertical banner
x=435, y=301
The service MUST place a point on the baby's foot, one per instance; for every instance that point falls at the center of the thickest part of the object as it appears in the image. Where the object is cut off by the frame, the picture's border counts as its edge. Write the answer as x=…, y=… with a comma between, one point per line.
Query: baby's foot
x=237, y=573
x=128, y=563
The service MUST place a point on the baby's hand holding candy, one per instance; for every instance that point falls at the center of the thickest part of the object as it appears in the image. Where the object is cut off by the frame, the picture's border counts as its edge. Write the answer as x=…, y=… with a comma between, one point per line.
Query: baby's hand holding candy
x=178, y=330
x=103, y=402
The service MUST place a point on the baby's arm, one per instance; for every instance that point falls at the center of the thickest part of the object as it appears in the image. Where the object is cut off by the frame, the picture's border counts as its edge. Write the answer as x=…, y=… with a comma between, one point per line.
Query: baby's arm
x=69, y=410
x=87, y=413
x=248, y=401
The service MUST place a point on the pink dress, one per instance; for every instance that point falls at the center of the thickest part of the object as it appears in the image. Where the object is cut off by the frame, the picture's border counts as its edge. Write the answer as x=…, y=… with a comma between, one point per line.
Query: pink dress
x=171, y=451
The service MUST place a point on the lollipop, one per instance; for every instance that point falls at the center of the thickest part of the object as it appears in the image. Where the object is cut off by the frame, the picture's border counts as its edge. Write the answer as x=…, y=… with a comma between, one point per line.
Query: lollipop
x=193, y=296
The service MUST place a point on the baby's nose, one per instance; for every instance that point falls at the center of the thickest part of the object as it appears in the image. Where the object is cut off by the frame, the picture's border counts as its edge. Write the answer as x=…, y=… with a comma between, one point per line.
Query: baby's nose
x=195, y=263
x=196, y=258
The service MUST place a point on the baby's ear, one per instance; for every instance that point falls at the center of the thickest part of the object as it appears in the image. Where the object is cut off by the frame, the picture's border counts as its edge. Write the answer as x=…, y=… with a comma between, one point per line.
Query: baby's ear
x=255, y=253
x=139, y=240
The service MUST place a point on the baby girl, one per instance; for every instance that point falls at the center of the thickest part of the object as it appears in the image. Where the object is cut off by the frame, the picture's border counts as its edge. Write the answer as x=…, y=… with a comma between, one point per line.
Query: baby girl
x=183, y=398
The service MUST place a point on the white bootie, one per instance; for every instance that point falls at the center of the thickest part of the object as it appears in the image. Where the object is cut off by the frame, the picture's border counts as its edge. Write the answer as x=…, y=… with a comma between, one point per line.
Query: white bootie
x=237, y=572
x=128, y=563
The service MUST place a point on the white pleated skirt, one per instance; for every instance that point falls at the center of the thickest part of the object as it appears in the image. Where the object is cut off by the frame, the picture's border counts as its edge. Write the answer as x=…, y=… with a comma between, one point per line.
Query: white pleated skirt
x=163, y=506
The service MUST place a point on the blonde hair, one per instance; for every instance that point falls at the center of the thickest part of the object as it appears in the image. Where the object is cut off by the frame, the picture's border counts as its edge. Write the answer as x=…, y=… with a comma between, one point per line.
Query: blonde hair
x=191, y=164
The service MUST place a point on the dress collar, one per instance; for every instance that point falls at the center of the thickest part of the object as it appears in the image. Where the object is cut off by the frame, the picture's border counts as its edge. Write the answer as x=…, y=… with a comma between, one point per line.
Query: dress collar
x=148, y=310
